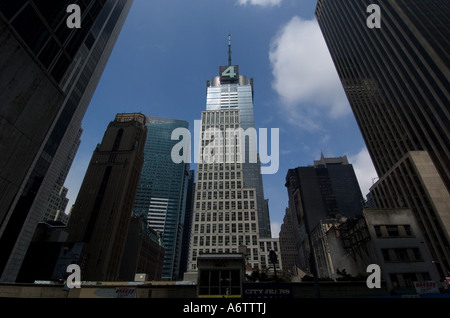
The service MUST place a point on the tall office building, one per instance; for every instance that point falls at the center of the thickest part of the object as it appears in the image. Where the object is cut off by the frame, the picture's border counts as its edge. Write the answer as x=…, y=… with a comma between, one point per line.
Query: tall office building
x=162, y=192
x=229, y=210
x=187, y=230
x=327, y=190
x=57, y=200
x=102, y=211
x=288, y=242
x=393, y=63
x=48, y=75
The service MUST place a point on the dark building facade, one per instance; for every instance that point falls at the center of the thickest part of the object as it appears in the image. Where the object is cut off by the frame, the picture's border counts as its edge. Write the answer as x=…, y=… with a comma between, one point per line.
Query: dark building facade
x=326, y=190
x=48, y=75
x=101, y=214
x=187, y=229
x=289, y=243
x=396, y=80
x=143, y=252
x=329, y=189
x=46, y=246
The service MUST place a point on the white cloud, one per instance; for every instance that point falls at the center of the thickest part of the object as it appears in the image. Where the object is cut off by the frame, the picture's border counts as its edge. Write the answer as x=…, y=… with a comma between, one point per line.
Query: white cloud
x=364, y=170
x=275, y=228
x=263, y=3
x=305, y=77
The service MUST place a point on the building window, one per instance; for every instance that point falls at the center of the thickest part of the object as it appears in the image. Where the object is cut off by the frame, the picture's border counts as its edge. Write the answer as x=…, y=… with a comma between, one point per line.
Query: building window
x=408, y=279
x=407, y=230
x=378, y=230
x=393, y=230
x=401, y=254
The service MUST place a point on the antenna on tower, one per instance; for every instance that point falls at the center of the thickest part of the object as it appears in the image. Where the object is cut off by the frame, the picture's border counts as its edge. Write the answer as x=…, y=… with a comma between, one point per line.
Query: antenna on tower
x=229, y=49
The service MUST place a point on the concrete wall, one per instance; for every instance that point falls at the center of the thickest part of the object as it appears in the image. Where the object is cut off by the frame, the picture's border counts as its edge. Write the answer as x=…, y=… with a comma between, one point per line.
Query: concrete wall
x=415, y=240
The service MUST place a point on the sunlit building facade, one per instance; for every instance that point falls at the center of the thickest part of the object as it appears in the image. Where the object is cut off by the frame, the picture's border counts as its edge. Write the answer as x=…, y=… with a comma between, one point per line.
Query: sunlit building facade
x=230, y=212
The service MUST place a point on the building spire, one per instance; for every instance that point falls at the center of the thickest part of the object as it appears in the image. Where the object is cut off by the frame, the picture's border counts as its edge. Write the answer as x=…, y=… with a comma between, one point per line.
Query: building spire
x=229, y=49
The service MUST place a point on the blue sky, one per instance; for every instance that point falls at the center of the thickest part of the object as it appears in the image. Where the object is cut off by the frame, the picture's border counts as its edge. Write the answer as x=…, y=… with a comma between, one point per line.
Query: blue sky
x=168, y=49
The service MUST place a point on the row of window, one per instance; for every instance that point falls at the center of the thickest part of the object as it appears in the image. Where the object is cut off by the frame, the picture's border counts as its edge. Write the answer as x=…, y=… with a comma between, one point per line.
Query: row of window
x=383, y=231
x=401, y=254
x=407, y=279
x=219, y=175
x=228, y=132
x=214, y=156
x=225, y=228
x=227, y=205
x=218, y=167
x=216, y=148
x=225, y=216
x=220, y=195
x=239, y=194
x=219, y=185
x=220, y=117
x=268, y=246
x=225, y=240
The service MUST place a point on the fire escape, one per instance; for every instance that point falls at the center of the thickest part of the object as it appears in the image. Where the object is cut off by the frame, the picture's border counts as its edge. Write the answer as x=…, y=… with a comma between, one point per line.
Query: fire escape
x=355, y=234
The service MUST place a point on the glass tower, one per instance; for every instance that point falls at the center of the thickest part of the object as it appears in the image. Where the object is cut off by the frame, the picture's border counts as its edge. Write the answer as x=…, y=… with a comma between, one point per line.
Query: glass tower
x=396, y=77
x=49, y=73
x=230, y=213
x=162, y=192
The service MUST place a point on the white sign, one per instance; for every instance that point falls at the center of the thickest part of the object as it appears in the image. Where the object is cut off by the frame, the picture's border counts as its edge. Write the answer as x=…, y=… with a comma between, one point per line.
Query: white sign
x=426, y=287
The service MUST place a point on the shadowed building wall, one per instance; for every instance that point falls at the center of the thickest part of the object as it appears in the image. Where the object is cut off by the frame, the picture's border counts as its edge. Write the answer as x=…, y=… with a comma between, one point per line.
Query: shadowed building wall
x=102, y=211
x=48, y=75
x=396, y=80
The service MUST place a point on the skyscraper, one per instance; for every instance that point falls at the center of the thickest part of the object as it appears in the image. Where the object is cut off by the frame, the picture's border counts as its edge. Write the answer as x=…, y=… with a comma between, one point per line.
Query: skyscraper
x=229, y=210
x=102, y=211
x=187, y=229
x=57, y=200
x=290, y=244
x=327, y=190
x=162, y=192
x=393, y=62
x=48, y=75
